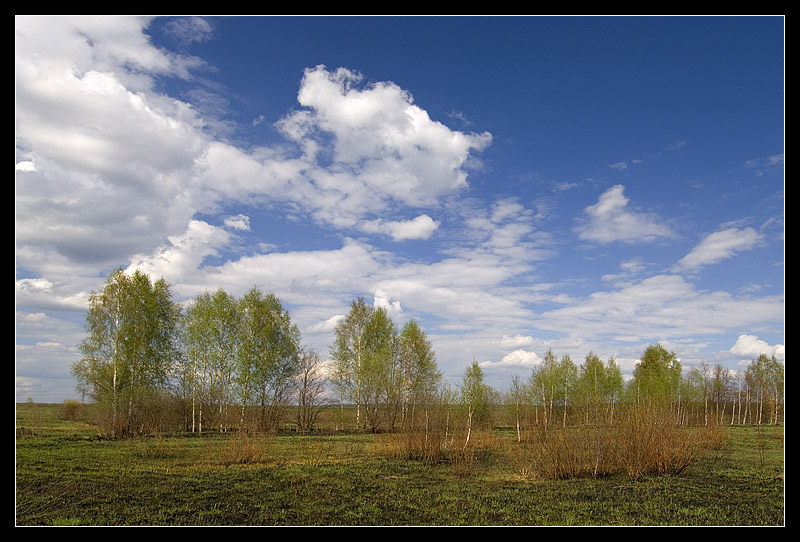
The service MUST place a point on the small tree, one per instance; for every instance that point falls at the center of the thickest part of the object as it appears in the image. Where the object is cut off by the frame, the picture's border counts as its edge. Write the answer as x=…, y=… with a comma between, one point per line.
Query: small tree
x=309, y=390
x=475, y=397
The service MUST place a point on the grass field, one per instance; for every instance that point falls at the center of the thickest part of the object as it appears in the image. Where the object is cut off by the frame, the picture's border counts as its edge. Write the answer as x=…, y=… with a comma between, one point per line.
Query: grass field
x=67, y=475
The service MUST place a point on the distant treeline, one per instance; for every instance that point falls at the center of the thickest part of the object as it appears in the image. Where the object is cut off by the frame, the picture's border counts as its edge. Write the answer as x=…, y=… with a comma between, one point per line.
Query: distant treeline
x=225, y=363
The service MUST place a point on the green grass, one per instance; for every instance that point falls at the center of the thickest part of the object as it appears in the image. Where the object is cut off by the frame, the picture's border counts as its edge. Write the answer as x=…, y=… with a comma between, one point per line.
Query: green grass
x=67, y=475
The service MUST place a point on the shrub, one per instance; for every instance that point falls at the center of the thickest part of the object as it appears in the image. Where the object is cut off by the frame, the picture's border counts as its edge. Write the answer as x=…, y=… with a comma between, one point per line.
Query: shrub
x=71, y=410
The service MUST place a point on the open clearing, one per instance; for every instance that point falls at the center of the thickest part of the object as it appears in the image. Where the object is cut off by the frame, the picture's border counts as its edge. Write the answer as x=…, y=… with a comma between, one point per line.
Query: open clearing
x=67, y=475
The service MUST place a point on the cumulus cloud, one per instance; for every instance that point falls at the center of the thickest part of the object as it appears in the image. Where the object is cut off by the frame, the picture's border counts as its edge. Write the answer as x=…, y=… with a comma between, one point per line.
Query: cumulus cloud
x=516, y=342
x=374, y=139
x=111, y=171
x=520, y=358
x=381, y=301
x=750, y=347
x=421, y=227
x=184, y=254
x=719, y=246
x=112, y=158
x=611, y=220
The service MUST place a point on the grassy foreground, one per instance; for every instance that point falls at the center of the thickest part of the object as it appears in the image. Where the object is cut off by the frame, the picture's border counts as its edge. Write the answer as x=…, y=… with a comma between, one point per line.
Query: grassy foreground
x=67, y=475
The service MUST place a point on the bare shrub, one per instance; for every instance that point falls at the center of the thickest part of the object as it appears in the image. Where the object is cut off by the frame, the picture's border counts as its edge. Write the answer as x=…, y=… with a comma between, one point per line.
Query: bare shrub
x=649, y=440
x=583, y=450
x=247, y=447
x=71, y=410
x=646, y=439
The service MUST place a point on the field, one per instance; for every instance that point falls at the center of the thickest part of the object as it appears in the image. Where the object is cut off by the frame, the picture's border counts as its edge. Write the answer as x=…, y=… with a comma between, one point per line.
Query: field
x=66, y=474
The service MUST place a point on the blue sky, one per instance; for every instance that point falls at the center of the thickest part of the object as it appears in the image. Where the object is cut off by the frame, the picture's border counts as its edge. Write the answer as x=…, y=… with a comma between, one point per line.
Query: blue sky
x=516, y=184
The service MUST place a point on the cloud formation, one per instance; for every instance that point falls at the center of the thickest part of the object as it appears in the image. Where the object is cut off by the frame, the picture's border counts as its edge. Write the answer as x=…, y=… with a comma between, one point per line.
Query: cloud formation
x=750, y=347
x=610, y=220
x=719, y=246
x=421, y=227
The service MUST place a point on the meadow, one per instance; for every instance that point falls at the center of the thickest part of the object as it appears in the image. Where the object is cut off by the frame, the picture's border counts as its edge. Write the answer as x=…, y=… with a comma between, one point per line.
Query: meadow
x=67, y=474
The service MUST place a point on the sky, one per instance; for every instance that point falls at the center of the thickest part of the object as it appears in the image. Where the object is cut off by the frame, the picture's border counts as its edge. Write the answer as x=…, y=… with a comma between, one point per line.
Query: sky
x=514, y=184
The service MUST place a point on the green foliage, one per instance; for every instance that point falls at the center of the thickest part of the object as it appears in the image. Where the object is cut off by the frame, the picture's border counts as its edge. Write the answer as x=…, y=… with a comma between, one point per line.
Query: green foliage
x=476, y=396
x=657, y=377
x=383, y=372
x=131, y=348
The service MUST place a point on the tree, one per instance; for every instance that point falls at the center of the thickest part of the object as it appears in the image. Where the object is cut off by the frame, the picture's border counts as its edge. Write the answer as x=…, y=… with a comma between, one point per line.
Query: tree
x=544, y=381
x=720, y=387
x=310, y=390
x=419, y=374
x=591, y=387
x=267, y=355
x=765, y=377
x=348, y=353
x=380, y=374
x=515, y=400
x=475, y=397
x=615, y=386
x=567, y=374
x=657, y=376
x=211, y=340
x=130, y=349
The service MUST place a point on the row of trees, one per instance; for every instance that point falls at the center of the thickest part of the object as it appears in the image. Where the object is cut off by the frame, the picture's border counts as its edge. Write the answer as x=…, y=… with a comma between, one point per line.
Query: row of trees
x=589, y=393
x=388, y=374
x=221, y=359
x=142, y=353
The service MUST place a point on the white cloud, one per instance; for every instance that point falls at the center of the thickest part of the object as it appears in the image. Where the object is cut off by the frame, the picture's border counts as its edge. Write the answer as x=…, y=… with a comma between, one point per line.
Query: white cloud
x=719, y=246
x=628, y=269
x=520, y=358
x=184, y=254
x=327, y=325
x=516, y=342
x=762, y=166
x=381, y=301
x=238, y=222
x=750, y=347
x=610, y=220
x=421, y=227
x=661, y=307
x=113, y=159
x=387, y=145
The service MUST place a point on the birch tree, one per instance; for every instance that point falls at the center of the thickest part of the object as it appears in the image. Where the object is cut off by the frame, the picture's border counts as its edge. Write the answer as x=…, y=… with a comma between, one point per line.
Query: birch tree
x=657, y=376
x=475, y=397
x=348, y=353
x=267, y=355
x=419, y=374
x=130, y=350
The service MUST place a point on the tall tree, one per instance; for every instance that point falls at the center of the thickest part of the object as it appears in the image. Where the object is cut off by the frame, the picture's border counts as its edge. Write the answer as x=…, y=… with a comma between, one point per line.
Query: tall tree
x=211, y=340
x=419, y=374
x=765, y=377
x=380, y=374
x=267, y=355
x=131, y=347
x=591, y=387
x=615, y=386
x=515, y=400
x=353, y=356
x=567, y=378
x=657, y=376
x=545, y=382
